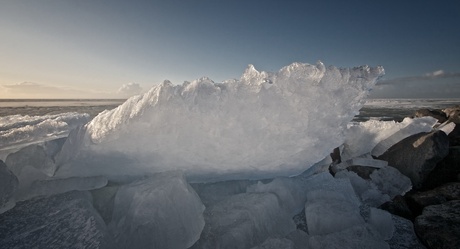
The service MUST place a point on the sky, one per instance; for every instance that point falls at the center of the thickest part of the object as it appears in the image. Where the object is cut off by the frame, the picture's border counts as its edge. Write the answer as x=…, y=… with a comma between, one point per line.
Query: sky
x=114, y=49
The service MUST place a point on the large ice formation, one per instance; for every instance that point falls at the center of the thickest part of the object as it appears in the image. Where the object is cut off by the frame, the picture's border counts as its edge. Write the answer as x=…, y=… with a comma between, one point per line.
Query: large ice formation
x=264, y=124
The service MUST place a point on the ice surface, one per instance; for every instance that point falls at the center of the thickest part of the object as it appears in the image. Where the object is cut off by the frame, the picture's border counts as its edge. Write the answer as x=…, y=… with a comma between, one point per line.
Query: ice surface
x=360, y=161
x=276, y=243
x=262, y=125
x=17, y=130
x=378, y=136
x=391, y=182
x=162, y=211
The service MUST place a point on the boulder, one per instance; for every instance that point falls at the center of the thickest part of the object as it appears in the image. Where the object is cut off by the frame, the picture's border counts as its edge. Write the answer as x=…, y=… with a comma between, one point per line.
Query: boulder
x=453, y=114
x=8, y=185
x=404, y=236
x=439, y=225
x=437, y=114
x=446, y=170
x=398, y=206
x=439, y=195
x=416, y=156
x=60, y=221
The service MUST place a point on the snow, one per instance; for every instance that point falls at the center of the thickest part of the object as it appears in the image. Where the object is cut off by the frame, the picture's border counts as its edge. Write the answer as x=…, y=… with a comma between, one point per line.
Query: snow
x=262, y=125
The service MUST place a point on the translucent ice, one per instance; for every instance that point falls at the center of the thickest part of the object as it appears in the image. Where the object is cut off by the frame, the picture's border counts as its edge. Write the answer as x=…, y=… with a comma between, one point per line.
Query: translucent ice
x=162, y=211
x=262, y=125
x=243, y=221
x=382, y=222
x=361, y=236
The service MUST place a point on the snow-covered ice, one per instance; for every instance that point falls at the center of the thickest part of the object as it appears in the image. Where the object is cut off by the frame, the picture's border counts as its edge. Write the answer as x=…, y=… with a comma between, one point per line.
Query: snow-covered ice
x=261, y=125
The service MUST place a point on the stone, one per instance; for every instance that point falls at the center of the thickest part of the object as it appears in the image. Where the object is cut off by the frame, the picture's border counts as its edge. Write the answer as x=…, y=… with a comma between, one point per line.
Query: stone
x=416, y=156
x=60, y=221
x=437, y=114
x=439, y=195
x=398, y=206
x=8, y=185
x=404, y=236
x=445, y=171
x=439, y=225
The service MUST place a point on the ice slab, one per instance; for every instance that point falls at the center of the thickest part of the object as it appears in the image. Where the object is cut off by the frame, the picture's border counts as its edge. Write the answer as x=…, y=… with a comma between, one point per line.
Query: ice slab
x=244, y=221
x=32, y=155
x=53, y=186
x=161, y=211
x=276, y=243
x=328, y=212
x=8, y=187
x=359, y=161
x=382, y=222
x=391, y=182
x=277, y=124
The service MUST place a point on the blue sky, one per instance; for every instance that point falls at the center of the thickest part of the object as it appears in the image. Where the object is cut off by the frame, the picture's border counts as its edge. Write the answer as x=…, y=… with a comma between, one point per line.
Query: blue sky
x=91, y=48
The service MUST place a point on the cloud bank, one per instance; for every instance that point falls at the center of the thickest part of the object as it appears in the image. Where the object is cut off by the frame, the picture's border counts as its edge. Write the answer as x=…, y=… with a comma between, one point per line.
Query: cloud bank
x=439, y=74
x=130, y=89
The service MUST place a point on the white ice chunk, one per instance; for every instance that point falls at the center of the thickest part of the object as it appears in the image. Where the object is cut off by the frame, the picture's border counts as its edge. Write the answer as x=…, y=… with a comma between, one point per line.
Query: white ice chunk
x=447, y=127
x=53, y=186
x=382, y=222
x=423, y=124
x=391, y=182
x=328, y=212
x=236, y=129
x=243, y=221
x=32, y=155
x=162, y=211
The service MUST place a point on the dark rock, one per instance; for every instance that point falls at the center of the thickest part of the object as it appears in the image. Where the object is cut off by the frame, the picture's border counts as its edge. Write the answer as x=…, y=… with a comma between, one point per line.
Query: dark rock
x=437, y=114
x=301, y=221
x=446, y=170
x=398, y=206
x=404, y=236
x=454, y=136
x=439, y=225
x=363, y=171
x=417, y=155
x=59, y=221
x=8, y=185
x=453, y=114
x=439, y=195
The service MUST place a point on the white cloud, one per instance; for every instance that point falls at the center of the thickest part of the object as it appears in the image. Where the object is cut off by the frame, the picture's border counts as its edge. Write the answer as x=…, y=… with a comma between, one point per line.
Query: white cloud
x=130, y=89
x=43, y=91
x=439, y=74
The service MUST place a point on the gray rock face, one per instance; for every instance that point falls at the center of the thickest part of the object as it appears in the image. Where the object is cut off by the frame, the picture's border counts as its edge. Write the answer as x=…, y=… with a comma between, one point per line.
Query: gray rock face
x=416, y=156
x=8, y=185
x=439, y=225
x=404, y=236
x=60, y=221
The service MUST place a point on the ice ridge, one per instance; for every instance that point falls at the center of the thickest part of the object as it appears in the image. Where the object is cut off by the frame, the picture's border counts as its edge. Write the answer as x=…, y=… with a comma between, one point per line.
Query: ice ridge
x=263, y=124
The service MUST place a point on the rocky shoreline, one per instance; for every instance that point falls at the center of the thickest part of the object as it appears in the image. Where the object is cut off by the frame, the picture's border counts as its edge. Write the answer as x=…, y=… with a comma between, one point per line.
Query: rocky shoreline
x=38, y=211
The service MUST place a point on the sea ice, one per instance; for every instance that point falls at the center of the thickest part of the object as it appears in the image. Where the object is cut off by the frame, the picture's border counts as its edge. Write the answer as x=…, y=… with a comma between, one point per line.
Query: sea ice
x=32, y=155
x=17, y=130
x=8, y=186
x=382, y=222
x=161, y=211
x=262, y=125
